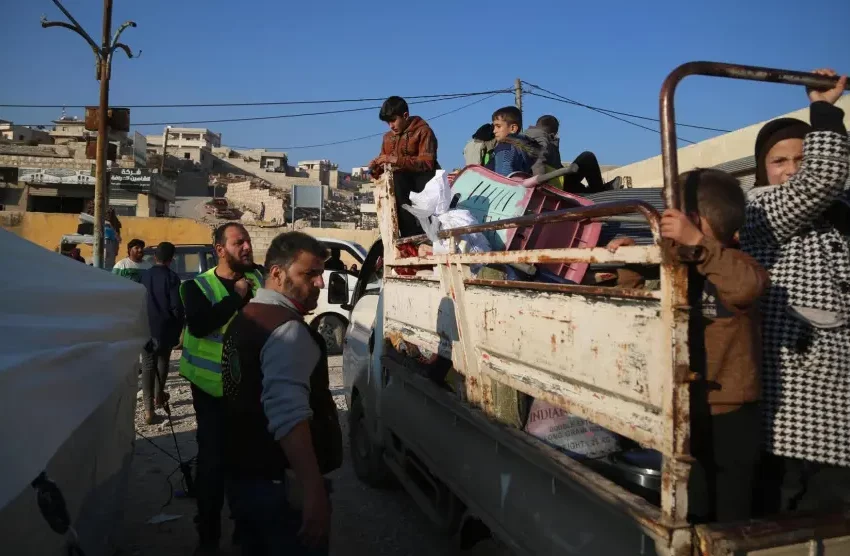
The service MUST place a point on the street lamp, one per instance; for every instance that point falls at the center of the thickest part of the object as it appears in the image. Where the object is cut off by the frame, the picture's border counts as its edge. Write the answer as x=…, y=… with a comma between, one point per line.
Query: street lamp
x=103, y=69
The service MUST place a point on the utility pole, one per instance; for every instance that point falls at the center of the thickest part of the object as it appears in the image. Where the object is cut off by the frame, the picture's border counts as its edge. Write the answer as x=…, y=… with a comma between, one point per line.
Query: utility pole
x=518, y=93
x=103, y=69
x=165, y=150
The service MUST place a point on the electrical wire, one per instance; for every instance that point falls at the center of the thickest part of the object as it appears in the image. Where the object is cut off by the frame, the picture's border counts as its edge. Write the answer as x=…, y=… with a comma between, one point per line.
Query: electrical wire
x=598, y=109
x=285, y=116
x=273, y=103
x=430, y=119
x=610, y=116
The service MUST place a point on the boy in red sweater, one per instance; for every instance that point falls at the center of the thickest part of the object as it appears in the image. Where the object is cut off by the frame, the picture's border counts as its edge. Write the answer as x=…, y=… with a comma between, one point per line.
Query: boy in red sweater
x=410, y=147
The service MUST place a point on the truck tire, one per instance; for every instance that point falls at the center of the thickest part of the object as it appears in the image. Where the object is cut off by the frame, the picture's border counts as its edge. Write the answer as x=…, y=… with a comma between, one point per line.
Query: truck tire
x=366, y=457
x=332, y=329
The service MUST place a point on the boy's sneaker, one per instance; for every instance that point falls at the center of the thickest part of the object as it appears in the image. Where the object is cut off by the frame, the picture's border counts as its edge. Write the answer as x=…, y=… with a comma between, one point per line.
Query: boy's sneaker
x=615, y=184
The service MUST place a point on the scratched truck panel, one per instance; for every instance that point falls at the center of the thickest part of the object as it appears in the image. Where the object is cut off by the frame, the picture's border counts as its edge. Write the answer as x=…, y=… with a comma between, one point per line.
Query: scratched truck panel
x=601, y=358
x=610, y=345
x=422, y=313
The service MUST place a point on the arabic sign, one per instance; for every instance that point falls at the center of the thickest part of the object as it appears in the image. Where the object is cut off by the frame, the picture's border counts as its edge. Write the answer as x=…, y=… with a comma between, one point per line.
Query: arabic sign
x=131, y=179
x=140, y=149
x=55, y=176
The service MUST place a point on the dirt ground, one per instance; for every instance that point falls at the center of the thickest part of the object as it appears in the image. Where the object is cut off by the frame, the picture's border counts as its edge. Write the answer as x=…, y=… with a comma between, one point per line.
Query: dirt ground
x=365, y=521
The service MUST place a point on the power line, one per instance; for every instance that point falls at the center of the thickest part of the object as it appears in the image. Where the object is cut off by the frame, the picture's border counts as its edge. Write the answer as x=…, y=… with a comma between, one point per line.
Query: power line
x=598, y=109
x=607, y=114
x=272, y=103
x=352, y=140
x=286, y=116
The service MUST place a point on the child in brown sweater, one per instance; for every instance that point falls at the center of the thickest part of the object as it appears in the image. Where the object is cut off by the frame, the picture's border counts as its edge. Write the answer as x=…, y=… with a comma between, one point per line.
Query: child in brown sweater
x=725, y=344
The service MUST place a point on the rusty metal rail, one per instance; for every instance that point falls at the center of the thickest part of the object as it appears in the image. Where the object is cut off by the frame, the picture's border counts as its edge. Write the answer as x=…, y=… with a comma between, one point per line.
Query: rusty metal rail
x=669, y=157
x=578, y=213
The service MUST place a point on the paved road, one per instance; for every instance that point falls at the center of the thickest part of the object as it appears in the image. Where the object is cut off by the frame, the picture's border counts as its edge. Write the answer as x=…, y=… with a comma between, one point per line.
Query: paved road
x=366, y=522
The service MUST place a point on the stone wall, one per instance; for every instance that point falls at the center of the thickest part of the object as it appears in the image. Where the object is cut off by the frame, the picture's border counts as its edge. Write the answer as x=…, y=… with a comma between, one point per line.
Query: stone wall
x=45, y=162
x=277, y=179
x=261, y=201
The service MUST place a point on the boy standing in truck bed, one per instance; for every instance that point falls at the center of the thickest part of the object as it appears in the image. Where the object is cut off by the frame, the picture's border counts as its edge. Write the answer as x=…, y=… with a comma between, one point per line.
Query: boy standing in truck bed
x=410, y=148
x=724, y=335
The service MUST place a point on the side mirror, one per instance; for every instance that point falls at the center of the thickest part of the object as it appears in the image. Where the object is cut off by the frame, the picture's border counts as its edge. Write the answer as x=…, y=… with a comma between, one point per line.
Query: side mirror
x=337, y=289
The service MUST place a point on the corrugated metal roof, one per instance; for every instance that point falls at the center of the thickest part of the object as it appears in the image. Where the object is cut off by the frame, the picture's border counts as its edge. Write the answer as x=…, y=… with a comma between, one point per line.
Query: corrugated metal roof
x=639, y=232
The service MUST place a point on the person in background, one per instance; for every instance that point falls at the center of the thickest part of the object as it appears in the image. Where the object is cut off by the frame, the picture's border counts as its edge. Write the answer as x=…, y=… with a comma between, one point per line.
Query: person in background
x=545, y=134
x=354, y=269
x=280, y=414
x=479, y=148
x=134, y=264
x=513, y=152
x=725, y=344
x=410, y=148
x=211, y=300
x=798, y=227
x=335, y=261
x=165, y=317
x=76, y=255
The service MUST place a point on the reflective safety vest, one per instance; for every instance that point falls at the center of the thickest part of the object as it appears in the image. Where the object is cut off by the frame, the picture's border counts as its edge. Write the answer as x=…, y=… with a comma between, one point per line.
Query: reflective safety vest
x=201, y=360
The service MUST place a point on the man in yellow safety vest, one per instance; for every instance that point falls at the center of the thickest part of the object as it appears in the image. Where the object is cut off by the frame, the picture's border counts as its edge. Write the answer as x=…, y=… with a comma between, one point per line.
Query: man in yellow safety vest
x=211, y=301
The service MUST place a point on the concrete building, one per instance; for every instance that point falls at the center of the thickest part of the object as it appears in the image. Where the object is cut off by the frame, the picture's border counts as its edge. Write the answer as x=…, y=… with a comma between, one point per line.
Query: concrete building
x=731, y=152
x=69, y=129
x=361, y=172
x=273, y=162
x=187, y=143
x=59, y=178
x=319, y=170
x=24, y=134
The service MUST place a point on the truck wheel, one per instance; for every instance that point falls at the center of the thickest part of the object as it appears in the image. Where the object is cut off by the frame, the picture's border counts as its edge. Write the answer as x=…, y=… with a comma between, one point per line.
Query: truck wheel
x=366, y=457
x=332, y=329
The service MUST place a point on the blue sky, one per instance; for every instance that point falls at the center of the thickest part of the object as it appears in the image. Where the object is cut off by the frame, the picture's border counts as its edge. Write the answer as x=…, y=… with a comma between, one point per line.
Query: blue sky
x=612, y=54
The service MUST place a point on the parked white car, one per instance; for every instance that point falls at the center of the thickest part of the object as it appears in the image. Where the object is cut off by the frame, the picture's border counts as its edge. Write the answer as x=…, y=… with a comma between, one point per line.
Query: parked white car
x=331, y=321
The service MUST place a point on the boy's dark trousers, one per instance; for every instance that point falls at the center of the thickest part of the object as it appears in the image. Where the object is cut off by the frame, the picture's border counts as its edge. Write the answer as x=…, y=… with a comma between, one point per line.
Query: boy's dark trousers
x=405, y=183
x=588, y=169
x=726, y=447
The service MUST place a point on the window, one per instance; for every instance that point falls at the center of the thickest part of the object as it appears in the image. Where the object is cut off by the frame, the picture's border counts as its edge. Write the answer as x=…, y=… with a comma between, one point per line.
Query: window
x=187, y=156
x=20, y=137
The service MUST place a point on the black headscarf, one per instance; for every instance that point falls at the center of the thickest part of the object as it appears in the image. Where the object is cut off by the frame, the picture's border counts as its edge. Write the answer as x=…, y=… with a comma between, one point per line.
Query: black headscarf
x=774, y=131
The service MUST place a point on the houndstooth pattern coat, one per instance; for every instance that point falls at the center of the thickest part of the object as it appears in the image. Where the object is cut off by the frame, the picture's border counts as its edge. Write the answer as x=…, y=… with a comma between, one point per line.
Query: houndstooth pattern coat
x=806, y=368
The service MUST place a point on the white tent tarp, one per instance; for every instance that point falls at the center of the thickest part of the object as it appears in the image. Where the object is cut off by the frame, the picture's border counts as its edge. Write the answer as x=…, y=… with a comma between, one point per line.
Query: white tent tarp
x=69, y=336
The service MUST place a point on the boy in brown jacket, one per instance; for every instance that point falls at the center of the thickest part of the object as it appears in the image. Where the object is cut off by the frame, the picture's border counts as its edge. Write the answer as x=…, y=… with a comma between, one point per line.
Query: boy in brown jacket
x=725, y=344
x=410, y=147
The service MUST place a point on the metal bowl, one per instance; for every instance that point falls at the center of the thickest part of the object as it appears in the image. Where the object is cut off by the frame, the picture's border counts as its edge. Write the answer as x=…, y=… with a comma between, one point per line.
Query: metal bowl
x=639, y=467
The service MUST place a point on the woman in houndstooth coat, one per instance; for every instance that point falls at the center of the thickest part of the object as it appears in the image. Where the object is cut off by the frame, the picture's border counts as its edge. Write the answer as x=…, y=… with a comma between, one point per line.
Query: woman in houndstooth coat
x=797, y=223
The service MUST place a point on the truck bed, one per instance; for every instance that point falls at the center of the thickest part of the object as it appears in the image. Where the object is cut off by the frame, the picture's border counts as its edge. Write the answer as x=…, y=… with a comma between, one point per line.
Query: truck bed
x=616, y=357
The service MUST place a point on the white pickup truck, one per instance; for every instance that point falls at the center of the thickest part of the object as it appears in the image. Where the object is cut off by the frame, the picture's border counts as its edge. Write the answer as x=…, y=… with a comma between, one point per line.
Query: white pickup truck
x=616, y=357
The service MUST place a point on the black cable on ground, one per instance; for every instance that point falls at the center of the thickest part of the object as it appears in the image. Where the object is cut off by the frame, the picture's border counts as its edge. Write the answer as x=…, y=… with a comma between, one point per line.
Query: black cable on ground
x=185, y=467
